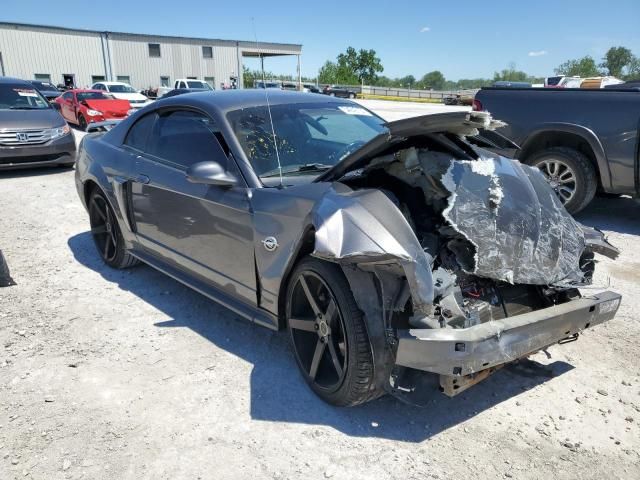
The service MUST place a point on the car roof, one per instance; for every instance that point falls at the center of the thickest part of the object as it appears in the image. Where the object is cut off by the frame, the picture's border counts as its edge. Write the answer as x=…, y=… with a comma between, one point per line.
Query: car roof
x=226, y=100
x=14, y=81
x=85, y=90
x=111, y=83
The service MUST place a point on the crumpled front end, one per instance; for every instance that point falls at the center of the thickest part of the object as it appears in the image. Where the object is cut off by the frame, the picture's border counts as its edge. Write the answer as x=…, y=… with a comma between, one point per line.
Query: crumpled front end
x=476, y=261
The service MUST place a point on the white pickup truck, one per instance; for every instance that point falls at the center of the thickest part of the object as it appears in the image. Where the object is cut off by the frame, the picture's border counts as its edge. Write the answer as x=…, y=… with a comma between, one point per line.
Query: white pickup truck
x=184, y=83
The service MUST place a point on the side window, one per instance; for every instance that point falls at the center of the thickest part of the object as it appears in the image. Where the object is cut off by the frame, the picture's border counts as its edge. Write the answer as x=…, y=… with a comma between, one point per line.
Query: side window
x=138, y=134
x=184, y=138
x=68, y=96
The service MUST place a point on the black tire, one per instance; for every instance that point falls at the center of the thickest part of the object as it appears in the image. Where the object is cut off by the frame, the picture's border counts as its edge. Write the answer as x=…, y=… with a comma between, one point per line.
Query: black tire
x=585, y=181
x=345, y=334
x=352, y=96
x=106, y=233
x=82, y=123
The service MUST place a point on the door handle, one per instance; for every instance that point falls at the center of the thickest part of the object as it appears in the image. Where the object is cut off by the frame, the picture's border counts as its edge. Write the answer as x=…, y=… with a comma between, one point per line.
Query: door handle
x=141, y=179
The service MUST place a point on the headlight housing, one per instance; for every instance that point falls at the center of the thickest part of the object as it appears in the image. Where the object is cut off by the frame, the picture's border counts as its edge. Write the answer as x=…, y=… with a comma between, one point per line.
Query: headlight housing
x=93, y=113
x=60, y=132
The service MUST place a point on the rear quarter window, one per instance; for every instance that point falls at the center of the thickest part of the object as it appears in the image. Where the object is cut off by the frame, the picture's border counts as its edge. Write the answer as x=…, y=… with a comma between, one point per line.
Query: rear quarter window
x=139, y=133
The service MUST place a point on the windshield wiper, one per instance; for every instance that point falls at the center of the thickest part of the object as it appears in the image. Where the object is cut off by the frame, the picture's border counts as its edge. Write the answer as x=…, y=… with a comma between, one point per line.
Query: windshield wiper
x=307, y=167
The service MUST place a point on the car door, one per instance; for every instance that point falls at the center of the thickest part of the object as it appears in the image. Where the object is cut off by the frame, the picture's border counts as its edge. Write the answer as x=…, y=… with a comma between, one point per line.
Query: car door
x=203, y=230
x=66, y=107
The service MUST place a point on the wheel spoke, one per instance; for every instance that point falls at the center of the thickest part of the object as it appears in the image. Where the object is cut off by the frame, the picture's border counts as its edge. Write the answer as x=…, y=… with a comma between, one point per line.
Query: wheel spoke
x=317, y=356
x=300, y=324
x=334, y=358
x=566, y=177
x=330, y=313
x=310, y=299
x=565, y=192
x=106, y=247
x=98, y=210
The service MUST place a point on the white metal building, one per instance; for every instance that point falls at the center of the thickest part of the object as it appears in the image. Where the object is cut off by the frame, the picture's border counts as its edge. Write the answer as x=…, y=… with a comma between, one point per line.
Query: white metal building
x=81, y=57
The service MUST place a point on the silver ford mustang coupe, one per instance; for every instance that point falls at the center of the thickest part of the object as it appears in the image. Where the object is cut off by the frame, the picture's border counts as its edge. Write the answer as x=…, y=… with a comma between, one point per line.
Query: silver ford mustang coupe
x=390, y=251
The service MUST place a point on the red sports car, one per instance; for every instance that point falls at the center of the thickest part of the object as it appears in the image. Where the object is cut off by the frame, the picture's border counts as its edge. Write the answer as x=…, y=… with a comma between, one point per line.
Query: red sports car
x=84, y=107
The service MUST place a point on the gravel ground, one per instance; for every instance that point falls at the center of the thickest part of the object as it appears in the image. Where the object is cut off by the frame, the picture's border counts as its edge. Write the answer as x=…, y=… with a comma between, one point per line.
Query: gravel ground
x=127, y=374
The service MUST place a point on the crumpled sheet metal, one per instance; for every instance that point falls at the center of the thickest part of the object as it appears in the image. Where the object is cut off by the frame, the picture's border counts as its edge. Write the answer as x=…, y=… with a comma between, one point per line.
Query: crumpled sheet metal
x=521, y=232
x=365, y=227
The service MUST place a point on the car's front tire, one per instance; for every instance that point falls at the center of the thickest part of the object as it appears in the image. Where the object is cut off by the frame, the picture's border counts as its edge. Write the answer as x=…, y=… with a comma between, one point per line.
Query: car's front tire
x=329, y=335
x=570, y=173
x=352, y=96
x=82, y=123
x=106, y=233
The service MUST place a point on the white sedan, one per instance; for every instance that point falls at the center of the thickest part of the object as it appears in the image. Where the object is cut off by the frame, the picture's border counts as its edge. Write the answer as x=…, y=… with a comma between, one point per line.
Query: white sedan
x=123, y=91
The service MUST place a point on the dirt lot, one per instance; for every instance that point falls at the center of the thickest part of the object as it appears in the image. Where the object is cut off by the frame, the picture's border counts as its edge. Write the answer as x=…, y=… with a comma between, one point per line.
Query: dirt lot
x=130, y=375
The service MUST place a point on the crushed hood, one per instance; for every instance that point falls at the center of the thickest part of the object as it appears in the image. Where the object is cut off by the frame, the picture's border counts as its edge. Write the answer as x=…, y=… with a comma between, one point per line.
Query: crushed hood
x=499, y=218
x=461, y=123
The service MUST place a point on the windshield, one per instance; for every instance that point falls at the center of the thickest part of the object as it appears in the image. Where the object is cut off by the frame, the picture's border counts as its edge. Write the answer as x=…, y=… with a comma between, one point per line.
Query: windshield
x=311, y=137
x=44, y=86
x=92, y=96
x=197, y=84
x=553, y=81
x=20, y=97
x=121, y=88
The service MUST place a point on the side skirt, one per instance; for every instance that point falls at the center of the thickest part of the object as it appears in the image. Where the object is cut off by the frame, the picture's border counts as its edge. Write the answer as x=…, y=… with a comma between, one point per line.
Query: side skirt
x=249, y=312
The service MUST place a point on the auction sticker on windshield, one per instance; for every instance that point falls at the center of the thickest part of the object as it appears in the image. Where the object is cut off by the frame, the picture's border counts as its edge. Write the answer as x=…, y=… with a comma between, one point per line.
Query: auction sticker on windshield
x=25, y=93
x=354, y=110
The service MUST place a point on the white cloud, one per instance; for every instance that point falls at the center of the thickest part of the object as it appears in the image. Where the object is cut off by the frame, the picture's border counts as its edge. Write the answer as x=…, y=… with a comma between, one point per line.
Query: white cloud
x=424, y=29
x=538, y=53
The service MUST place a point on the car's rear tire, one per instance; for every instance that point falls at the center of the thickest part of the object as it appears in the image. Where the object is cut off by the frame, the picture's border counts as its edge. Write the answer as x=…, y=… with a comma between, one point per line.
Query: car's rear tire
x=82, y=123
x=329, y=335
x=570, y=173
x=352, y=96
x=106, y=233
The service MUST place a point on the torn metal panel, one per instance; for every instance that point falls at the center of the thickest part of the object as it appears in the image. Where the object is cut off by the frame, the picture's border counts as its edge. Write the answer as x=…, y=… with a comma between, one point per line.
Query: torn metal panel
x=365, y=227
x=520, y=231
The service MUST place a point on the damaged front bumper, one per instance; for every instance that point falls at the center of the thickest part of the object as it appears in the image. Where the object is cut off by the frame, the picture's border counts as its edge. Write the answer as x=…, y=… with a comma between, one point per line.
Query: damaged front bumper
x=463, y=352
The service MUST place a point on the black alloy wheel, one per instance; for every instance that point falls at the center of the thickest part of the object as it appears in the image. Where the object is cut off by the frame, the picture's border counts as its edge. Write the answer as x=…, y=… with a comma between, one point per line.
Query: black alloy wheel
x=106, y=233
x=328, y=334
x=317, y=332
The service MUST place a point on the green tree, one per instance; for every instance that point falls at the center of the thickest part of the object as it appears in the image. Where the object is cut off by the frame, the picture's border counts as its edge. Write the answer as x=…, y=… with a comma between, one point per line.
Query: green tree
x=352, y=67
x=510, y=74
x=633, y=69
x=616, y=59
x=433, y=80
x=408, y=81
x=581, y=67
x=328, y=73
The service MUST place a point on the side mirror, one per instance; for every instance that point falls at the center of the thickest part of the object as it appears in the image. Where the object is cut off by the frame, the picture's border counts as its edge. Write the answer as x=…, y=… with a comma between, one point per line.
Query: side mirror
x=210, y=173
x=55, y=105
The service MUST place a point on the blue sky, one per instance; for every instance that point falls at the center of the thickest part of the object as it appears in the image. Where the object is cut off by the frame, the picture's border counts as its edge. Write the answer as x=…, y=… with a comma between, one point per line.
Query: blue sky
x=463, y=39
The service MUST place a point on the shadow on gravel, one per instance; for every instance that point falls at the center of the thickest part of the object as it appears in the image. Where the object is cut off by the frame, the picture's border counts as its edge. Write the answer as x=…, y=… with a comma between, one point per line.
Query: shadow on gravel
x=278, y=392
x=614, y=214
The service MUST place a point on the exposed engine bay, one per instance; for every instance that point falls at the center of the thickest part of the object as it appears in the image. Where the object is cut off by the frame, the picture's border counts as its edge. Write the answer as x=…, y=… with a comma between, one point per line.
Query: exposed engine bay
x=488, y=260
x=460, y=238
